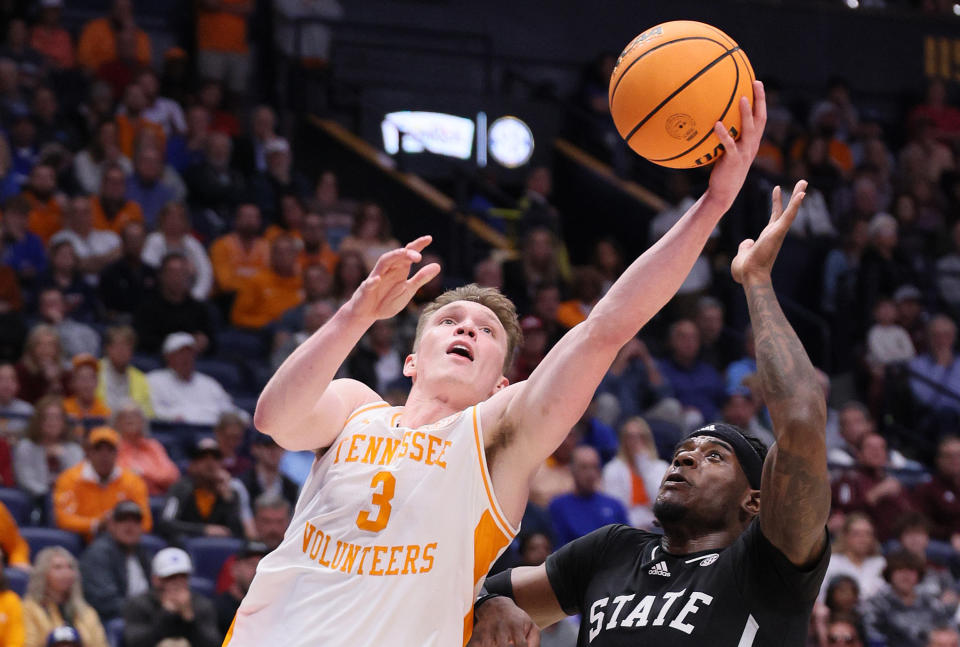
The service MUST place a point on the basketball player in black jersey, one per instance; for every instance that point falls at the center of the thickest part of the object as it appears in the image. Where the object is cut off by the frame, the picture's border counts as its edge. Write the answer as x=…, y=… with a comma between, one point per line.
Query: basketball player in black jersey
x=744, y=548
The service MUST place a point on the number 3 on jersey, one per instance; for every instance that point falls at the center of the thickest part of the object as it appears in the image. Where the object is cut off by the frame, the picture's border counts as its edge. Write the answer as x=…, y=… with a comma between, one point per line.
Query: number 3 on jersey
x=380, y=499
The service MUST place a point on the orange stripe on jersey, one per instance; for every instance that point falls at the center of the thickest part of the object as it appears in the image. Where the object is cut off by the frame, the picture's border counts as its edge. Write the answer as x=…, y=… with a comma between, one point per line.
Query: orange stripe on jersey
x=226, y=639
x=483, y=471
x=488, y=541
x=364, y=410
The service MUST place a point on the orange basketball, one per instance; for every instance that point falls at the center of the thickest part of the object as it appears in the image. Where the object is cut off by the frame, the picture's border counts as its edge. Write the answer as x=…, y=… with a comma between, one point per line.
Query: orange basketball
x=671, y=84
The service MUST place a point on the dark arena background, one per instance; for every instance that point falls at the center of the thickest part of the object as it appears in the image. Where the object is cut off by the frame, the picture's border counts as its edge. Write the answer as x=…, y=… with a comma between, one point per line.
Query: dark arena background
x=190, y=189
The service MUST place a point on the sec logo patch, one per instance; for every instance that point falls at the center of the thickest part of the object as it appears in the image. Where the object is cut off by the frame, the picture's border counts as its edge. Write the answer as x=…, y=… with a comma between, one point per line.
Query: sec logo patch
x=681, y=126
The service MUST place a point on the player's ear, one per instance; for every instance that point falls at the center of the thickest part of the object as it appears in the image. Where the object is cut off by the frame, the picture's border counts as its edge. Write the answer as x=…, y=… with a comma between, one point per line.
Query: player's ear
x=751, y=502
x=410, y=366
x=501, y=384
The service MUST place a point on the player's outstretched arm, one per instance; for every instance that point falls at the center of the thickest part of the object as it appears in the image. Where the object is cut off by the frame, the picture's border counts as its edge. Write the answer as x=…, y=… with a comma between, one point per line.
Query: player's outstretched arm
x=795, y=491
x=559, y=390
x=302, y=406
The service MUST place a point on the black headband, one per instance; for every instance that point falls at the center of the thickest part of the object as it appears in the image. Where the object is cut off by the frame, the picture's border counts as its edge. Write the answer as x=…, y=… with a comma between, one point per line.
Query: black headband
x=747, y=454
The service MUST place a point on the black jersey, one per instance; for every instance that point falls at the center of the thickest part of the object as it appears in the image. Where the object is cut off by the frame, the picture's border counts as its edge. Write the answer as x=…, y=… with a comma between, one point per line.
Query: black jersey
x=630, y=592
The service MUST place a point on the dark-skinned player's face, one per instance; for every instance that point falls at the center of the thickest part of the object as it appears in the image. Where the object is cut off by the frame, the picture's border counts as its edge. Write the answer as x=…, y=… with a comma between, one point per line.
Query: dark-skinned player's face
x=704, y=485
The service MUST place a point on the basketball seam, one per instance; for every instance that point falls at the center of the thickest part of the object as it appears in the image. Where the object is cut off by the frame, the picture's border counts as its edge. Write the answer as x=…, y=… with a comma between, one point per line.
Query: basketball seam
x=686, y=84
x=613, y=92
x=736, y=84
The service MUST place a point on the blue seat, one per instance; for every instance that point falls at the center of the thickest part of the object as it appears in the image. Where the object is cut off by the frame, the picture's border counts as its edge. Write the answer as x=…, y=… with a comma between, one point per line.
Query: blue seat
x=146, y=363
x=39, y=538
x=114, y=631
x=228, y=374
x=203, y=586
x=152, y=543
x=239, y=344
x=17, y=580
x=209, y=553
x=18, y=503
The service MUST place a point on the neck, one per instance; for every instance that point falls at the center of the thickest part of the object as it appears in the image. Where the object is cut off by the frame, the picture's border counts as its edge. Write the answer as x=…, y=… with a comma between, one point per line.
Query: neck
x=943, y=357
x=56, y=597
x=907, y=597
x=679, y=539
x=857, y=558
x=422, y=409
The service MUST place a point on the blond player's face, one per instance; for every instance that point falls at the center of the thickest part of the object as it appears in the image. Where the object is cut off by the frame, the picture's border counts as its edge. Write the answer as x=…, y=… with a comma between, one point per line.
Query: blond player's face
x=465, y=344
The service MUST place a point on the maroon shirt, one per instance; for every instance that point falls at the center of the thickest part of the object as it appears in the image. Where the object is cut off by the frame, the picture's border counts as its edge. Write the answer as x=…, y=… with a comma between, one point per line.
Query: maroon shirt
x=939, y=501
x=850, y=495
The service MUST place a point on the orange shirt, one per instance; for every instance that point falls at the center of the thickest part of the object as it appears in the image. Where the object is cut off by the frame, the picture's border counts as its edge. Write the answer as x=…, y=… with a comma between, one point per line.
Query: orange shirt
x=326, y=257
x=129, y=129
x=11, y=620
x=98, y=45
x=55, y=44
x=570, y=313
x=45, y=218
x=265, y=297
x=80, y=499
x=130, y=212
x=838, y=151
x=75, y=410
x=11, y=543
x=150, y=460
x=234, y=263
x=223, y=31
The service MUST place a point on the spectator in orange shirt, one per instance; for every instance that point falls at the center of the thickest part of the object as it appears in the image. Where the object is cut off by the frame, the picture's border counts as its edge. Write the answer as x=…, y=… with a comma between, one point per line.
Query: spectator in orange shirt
x=11, y=612
x=45, y=210
x=222, y=42
x=111, y=209
x=140, y=454
x=84, y=407
x=85, y=495
x=50, y=38
x=315, y=249
x=587, y=290
x=272, y=291
x=98, y=40
x=132, y=125
x=240, y=255
x=12, y=546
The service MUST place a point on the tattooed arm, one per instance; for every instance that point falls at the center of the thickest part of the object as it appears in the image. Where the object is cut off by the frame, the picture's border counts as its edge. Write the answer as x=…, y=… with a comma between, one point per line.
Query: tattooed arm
x=795, y=491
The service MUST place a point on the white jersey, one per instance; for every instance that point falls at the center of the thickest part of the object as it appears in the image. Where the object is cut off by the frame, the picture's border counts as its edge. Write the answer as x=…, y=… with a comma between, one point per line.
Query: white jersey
x=392, y=535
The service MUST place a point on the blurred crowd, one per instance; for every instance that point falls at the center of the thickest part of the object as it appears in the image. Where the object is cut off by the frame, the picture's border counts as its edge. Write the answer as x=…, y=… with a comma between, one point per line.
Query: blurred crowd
x=162, y=251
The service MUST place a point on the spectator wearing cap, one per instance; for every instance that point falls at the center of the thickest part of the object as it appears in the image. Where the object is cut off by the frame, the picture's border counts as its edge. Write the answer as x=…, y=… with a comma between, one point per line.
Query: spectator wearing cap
x=586, y=508
x=14, y=412
x=116, y=565
x=141, y=454
x=169, y=609
x=868, y=488
x=243, y=568
x=270, y=292
x=85, y=495
x=84, y=407
x=112, y=208
x=119, y=381
x=65, y=636
x=696, y=384
x=13, y=547
x=95, y=248
x=50, y=38
x=20, y=249
x=277, y=180
x=173, y=236
x=55, y=598
x=98, y=40
x=203, y=502
x=179, y=392
x=271, y=516
x=46, y=450
x=11, y=611
x=939, y=365
x=265, y=477
x=172, y=309
x=902, y=614
x=128, y=282
x=634, y=379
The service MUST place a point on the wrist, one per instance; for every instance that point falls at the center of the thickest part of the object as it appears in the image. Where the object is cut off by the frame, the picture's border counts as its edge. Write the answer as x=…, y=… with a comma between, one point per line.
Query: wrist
x=716, y=200
x=350, y=315
x=756, y=279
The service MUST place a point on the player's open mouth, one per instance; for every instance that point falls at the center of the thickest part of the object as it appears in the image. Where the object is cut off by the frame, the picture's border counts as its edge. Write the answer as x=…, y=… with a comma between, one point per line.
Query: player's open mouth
x=460, y=349
x=675, y=479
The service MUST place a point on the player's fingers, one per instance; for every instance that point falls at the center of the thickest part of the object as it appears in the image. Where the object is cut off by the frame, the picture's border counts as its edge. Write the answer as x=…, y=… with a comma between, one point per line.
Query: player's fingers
x=795, y=200
x=747, y=122
x=423, y=276
x=721, y=131
x=776, y=204
x=533, y=635
x=759, y=105
x=745, y=246
x=420, y=243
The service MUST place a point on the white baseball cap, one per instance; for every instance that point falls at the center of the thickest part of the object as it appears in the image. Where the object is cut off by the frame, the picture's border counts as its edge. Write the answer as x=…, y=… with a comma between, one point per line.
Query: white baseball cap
x=171, y=561
x=177, y=340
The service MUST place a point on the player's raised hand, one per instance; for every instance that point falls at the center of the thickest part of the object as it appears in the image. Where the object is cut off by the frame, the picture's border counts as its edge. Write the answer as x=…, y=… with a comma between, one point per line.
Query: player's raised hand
x=755, y=258
x=501, y=623
x=731, y=169
x=389, y=287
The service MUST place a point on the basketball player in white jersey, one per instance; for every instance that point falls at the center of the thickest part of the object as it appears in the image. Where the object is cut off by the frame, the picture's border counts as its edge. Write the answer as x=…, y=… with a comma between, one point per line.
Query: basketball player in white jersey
x=405, y=511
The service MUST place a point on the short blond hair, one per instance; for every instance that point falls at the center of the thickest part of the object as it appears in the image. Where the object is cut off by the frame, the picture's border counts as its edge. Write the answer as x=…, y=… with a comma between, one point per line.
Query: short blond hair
x=490, y=298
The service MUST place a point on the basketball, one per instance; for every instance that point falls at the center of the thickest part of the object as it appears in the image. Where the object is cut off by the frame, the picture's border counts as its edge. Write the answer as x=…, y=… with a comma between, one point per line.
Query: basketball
x=669, y=87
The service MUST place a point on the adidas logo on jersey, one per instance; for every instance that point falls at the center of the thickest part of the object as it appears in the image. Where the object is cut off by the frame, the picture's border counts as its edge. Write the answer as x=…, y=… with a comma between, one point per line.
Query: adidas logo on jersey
x=660, y=568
